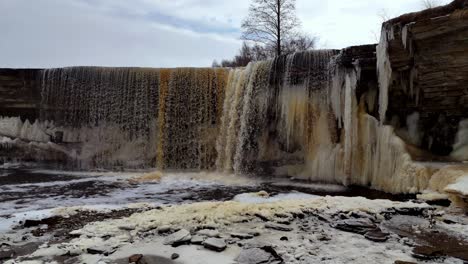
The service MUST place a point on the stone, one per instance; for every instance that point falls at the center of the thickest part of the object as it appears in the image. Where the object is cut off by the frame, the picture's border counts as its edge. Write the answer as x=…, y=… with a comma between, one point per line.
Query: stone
x=164, y=229
x=215, y=244
x=208, y=233
x=377, y=235
x=128, y=227
x=4, y=255
x=284, y=238
x=100, y=251
x=175, y=256
x=278, y=227
x=254, y=256
x=197, y=240
x=404, y=262
x=135, y=258
x=241, y=235
x=283, y=221
x=180, y=237
x=359, y=226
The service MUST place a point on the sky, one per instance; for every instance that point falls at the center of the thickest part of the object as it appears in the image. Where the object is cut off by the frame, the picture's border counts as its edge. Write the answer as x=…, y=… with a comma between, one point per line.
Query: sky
x=166, y=33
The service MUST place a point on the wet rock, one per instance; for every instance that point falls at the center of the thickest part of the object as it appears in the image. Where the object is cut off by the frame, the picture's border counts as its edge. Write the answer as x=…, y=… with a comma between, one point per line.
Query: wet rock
x=197, y=240
x=410, y=211
x=4, y=255
x=283, y=221
x=46, y=221
x=208, y=233
x=377, y=235
x=178, y=238
x=262, y=217
x=215, y=244
x=175, y=256
x=359, y=226
x=278, y=227
x=135, y=258
x=100, y=251
x=427, y=252
x=241, y=235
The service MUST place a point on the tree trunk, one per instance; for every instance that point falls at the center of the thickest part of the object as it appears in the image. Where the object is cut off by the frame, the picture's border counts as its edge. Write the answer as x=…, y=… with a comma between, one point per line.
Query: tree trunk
x=278, y=28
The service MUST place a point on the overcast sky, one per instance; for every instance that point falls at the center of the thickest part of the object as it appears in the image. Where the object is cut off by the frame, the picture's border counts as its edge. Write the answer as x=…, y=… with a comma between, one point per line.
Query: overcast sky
x=165, y=33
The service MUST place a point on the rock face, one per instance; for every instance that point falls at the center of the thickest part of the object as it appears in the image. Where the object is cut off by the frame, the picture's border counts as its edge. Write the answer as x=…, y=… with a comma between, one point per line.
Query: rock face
x=19, y=93
x=429, y=59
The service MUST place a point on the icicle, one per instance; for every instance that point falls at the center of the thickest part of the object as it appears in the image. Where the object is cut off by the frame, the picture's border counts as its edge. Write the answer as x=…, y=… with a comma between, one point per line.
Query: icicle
x=384, y=70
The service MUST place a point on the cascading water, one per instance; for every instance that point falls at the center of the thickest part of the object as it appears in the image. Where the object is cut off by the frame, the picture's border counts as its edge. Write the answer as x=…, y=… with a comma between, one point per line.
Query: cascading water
x=135, y=117
x=296, y=115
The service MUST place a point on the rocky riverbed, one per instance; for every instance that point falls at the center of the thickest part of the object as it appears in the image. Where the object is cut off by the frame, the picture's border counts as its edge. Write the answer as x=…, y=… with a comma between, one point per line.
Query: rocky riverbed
x=101, y=217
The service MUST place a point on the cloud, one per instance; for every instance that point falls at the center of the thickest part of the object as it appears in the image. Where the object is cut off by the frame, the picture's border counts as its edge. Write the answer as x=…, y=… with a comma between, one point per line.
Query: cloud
x=164, y=33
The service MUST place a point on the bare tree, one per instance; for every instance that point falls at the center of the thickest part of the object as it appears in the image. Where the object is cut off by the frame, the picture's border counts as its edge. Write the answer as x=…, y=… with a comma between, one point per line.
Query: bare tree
x=299, y=43
x=215, y=64
x=430, y=3
x=271, y=22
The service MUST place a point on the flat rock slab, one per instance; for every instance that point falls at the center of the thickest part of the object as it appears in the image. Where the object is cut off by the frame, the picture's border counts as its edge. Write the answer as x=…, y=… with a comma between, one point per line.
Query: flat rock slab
x=359, y=226
x=377, y=235
x=215, y=244
x=278, y=227
x=254, y=256
x=208, y=233
x=197, y=240
x=241, y=235
x=180, y=237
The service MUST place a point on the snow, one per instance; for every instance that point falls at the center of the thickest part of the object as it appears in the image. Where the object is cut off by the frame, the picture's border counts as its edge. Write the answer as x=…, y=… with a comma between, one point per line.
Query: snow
x=460, y=187
x=258, y=198
x=6, y=223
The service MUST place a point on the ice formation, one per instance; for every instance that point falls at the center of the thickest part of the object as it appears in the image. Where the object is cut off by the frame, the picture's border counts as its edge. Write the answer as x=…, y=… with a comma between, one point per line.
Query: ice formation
x=384, y=70
x=460, y=151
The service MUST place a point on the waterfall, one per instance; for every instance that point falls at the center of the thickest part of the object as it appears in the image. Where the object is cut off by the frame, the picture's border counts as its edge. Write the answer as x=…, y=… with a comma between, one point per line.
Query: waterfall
x=296, y=115
x=136, y=117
